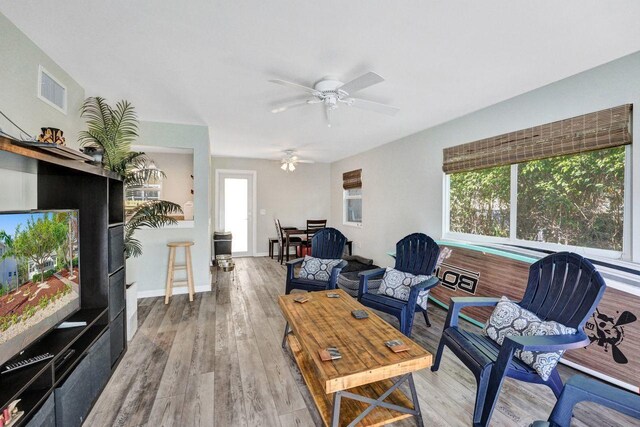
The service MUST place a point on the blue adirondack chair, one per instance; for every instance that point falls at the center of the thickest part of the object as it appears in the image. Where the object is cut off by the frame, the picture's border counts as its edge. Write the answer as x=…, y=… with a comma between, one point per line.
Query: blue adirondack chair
x=417, y=254
x=563, y=287
x=328, y=243
x=579, y=389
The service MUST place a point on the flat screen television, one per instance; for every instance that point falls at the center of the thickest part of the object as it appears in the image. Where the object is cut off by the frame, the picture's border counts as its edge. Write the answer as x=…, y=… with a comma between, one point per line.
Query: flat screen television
x=39, y=275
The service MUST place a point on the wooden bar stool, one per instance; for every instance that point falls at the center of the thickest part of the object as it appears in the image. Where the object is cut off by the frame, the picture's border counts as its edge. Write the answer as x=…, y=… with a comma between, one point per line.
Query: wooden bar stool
x=173, y=267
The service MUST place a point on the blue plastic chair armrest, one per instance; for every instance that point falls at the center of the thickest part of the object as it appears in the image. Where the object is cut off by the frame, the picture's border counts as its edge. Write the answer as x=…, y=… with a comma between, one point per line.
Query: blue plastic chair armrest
x=335, y=272
x=370, y=273
x=364, y=279
x=458, y=303
x=291, y=264
x=431, y=282
x=549, y=342
x=580, y=388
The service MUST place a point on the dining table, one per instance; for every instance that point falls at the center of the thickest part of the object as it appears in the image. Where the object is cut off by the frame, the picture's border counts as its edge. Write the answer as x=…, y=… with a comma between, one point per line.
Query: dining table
x=288, y=232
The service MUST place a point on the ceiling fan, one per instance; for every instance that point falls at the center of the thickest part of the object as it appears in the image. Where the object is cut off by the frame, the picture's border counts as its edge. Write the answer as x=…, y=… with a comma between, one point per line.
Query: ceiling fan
x=289, y=161
x=332, y=92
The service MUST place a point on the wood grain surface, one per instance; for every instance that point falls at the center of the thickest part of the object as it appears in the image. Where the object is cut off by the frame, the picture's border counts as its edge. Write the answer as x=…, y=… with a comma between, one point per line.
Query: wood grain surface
x=327, y=322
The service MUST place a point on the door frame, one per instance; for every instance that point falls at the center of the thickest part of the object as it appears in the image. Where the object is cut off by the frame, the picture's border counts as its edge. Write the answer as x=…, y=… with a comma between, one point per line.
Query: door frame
x=254, y=202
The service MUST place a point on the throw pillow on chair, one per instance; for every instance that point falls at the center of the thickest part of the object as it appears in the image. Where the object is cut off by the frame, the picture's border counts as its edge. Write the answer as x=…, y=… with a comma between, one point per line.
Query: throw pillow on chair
x=317, y=268
x=397, y=284
x=509, y=319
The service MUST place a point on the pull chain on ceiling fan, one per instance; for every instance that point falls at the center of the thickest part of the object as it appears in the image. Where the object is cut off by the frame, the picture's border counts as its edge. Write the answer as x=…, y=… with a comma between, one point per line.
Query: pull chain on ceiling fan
x=332, y=92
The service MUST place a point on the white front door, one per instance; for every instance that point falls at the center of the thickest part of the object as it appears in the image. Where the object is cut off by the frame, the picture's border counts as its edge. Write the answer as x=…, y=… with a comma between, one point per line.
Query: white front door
x=235, y=209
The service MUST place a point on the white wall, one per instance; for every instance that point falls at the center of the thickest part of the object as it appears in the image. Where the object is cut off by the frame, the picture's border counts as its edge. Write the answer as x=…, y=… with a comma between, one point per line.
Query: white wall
x=403, y=180
x=19, y=88
x=292, y=197
x=150, y=269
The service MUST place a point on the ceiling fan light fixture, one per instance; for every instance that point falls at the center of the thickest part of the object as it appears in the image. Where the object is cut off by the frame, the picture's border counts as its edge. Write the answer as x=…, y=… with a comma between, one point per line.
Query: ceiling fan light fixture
x=291, y=167
x=284, y=166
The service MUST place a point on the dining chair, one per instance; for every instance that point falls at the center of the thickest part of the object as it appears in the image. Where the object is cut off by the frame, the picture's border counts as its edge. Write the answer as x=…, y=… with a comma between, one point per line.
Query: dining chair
x=416, y=254
x=327, y=243
x=293, y=241
x=562, y=287
x=313, y=225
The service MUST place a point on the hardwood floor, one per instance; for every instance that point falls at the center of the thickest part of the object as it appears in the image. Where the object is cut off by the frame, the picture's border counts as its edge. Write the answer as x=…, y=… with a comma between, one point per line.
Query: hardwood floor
x=218, y=361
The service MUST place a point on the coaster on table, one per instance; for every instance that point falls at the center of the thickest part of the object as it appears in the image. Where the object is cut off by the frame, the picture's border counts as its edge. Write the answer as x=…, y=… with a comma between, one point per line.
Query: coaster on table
x=360, y=314
x=301, y=299
x=333, y=295
x=329, y=353
x=397, y=346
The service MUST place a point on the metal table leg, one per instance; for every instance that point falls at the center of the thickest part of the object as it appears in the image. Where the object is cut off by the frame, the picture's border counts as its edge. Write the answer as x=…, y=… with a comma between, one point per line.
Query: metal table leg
x=286, y=332
x=379, y=402
x=416, y=404
x=335, y=416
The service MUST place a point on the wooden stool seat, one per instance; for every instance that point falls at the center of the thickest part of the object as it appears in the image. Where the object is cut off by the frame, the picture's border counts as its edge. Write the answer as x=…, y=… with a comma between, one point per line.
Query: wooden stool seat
x=179, y=244
x=171, y=269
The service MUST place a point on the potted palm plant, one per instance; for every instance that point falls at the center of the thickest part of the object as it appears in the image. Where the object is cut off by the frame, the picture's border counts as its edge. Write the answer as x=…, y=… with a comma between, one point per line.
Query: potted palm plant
x=112, y=130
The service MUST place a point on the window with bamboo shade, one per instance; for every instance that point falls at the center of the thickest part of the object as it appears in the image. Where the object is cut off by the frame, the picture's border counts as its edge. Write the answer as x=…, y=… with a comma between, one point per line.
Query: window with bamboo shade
x=352, y=197
x=560, y=184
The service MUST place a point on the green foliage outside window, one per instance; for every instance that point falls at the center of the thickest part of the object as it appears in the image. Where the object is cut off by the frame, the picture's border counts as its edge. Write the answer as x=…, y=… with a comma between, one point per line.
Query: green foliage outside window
x=479, y=202
x=573, y=200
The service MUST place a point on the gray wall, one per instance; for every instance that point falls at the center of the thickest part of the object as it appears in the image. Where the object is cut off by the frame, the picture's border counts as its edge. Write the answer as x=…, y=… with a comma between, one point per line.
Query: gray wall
x=150, y=269
x=403, y=180
x=19, y=87
x=293, y=197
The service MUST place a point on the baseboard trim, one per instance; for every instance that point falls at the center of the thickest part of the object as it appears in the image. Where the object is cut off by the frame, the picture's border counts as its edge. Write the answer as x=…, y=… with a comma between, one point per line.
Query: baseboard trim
x=176, y=291
x=261, y=254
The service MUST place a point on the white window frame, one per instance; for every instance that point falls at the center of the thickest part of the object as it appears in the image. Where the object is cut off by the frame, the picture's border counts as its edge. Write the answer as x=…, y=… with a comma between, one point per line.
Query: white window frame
x=42, y=70
x=513, y=240
x=345, y=197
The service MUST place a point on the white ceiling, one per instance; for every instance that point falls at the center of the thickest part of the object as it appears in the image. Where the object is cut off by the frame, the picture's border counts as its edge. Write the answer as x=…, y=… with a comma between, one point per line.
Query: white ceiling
x=208, y=62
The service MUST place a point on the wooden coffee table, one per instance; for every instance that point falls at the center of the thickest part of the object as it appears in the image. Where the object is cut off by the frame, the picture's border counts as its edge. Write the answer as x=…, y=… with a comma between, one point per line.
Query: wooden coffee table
x=361, y=388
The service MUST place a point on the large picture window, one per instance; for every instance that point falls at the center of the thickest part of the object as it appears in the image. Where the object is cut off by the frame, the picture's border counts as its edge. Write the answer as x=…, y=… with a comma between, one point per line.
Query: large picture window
x=573, y=200
x=556, y=185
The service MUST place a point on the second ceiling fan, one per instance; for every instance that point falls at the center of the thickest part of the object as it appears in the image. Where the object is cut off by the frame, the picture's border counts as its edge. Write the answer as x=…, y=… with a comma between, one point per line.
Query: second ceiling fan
x=331, y=93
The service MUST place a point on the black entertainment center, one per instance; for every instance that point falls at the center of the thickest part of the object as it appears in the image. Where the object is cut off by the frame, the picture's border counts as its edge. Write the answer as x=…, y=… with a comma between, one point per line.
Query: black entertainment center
x=61, y=390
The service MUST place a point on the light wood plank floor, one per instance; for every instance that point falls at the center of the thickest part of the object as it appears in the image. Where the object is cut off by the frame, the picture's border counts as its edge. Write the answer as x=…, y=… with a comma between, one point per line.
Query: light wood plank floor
x=218, y=361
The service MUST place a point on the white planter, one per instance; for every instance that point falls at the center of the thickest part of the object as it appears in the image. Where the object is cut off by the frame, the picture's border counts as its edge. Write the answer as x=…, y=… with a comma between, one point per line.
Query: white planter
x=132, y=310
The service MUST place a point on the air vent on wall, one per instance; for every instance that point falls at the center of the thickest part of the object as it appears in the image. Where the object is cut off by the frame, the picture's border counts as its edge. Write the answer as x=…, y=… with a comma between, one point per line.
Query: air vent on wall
x=51, y=91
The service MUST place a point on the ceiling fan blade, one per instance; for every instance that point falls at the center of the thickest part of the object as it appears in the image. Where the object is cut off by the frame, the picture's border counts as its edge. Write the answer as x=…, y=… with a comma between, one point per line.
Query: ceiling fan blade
x=294, y=85
x=305, y=161
x=283, y=108
x=359, y=83
x=374, y=106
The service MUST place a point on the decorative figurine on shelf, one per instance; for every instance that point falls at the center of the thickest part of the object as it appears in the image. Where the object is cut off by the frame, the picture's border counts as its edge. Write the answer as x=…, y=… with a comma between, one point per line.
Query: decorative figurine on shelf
x=51, y=136
x=11, y=414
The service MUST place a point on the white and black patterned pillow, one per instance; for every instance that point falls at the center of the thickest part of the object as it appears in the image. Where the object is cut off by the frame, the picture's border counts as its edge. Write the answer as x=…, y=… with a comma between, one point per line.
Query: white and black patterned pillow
x=317, y=268
x=397, y=284
x=510, y=319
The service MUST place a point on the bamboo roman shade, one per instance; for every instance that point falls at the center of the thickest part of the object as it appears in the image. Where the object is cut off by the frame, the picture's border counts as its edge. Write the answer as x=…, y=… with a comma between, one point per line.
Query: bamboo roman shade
x=594, y=131
x=352, y=179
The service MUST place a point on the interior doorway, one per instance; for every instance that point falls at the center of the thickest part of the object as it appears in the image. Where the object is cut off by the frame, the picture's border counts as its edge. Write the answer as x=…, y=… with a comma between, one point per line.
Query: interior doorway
x=236, y=201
